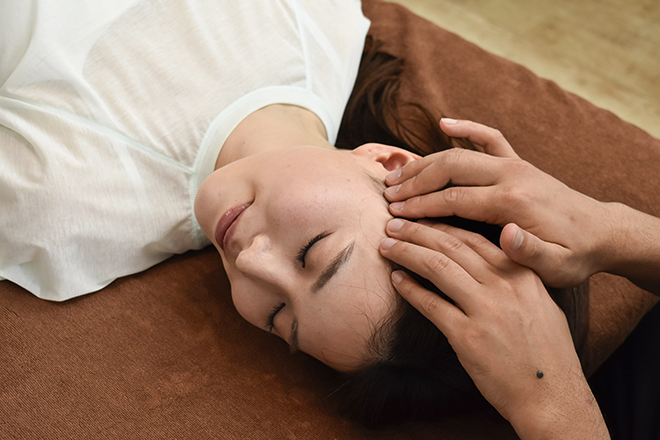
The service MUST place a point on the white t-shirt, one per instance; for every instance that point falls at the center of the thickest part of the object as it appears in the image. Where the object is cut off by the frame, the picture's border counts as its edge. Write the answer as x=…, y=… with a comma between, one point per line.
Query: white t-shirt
x=112, y=113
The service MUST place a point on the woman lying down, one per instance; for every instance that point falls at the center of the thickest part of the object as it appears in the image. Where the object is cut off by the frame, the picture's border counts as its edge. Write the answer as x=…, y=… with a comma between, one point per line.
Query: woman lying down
x=134, y=130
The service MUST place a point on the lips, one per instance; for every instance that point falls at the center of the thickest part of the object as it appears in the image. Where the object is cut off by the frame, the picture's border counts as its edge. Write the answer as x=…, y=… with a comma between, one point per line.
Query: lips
x=226, y=224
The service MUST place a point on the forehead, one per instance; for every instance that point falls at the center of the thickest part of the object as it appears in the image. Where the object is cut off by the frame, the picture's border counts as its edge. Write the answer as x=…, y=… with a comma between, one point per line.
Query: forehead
x=316, y=158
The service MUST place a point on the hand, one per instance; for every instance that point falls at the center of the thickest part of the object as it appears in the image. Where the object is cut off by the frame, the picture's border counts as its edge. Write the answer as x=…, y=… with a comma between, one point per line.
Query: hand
x=561, y=234
x=504, y=328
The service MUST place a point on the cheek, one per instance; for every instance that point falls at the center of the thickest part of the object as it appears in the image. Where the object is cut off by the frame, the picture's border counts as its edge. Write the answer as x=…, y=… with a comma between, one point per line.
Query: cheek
x=205, y=205
x=249, y=302
x=220, y=191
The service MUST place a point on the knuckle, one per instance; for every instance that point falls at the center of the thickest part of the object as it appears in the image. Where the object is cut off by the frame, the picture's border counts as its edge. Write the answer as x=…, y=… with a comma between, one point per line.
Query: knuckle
x=451, y=158
x=430, y=304
x=412, y=185
x=473, y=338
x=440, y=226
x=479, y=243
x=490, y=305
x=514, y=197
x=449, y=243
x=437, y=263
x=420, y=206
x=452, y=196
x=497, y=135
x=503, y=264
x=508, y=287
x=521, y=167
x=475, y=240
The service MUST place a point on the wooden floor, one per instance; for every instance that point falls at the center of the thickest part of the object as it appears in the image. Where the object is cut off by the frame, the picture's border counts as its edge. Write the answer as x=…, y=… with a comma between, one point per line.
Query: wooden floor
x=607, y=51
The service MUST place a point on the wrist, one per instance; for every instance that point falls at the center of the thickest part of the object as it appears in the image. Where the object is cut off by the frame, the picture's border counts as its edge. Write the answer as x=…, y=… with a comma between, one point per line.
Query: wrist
x=632, y=251
x=611, y=235
x=563, y=411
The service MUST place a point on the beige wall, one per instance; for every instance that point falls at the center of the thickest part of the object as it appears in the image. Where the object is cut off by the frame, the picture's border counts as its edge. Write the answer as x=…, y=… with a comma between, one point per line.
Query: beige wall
x=607, y=51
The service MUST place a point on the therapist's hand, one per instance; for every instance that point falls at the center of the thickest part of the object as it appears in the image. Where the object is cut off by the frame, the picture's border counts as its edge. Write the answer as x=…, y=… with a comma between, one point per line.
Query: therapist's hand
x=504, y=327
x=562, y=234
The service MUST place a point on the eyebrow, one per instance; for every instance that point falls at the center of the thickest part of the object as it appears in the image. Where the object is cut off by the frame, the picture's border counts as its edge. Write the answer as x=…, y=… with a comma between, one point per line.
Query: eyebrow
x=293, y=339
x=341, y=258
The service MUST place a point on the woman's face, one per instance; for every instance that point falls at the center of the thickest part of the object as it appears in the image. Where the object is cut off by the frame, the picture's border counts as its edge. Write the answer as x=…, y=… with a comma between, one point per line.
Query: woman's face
x=298, y=232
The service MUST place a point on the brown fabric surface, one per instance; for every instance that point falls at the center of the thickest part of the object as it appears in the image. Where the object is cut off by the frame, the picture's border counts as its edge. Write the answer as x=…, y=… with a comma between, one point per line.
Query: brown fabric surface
x=163, y=354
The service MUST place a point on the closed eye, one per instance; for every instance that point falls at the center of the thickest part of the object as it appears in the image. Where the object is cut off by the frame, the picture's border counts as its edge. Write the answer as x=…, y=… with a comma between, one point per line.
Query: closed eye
x=270, y=320
x=303, y=250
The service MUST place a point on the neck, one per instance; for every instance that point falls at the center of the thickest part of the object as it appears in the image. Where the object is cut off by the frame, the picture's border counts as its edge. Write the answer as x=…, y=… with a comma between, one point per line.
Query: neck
x=275, y=127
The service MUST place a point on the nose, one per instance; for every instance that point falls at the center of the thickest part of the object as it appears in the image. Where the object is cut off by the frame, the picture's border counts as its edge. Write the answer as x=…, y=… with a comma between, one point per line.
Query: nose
x=260, y=262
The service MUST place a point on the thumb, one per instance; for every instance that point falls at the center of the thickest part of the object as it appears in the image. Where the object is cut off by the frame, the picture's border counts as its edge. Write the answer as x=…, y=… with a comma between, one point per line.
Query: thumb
x=551, y=261
x=527, y=249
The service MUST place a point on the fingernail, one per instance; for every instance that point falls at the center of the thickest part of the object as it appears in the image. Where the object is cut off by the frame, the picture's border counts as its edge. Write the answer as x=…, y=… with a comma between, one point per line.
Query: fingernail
x=388, y=243
x=395, y=225
x=397, y=277
x=449, y=121
x=392, y=190
x=518, y=239
x=393, y=176
x=397, y=206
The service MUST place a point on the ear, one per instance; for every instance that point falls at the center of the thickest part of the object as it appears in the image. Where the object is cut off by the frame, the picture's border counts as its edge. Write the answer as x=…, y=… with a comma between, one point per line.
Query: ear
x=391, y=158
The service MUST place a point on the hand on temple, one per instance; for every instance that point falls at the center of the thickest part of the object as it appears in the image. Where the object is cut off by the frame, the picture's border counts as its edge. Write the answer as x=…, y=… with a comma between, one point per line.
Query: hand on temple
x=503, y=326
x=565, y=236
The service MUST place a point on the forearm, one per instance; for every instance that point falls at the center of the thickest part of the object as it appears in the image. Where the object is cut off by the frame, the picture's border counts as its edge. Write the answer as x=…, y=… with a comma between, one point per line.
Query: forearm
x=633, y=247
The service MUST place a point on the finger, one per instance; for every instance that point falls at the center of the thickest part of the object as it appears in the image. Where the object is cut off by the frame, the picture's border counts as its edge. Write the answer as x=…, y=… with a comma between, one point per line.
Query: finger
x=419, y=177
x=454, y=245
x=477, y=242
x=444, y=315
x=478, y=203
x=442, y=271
x=455, y=166
x=548, y=260
x=410, y=169
x=490, y=139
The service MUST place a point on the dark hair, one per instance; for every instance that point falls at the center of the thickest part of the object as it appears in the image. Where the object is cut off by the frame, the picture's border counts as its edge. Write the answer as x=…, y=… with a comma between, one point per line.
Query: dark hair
x=373, y=113
x=415, y=373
